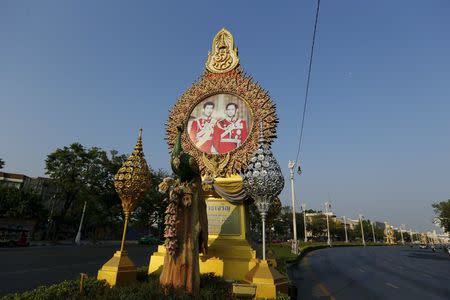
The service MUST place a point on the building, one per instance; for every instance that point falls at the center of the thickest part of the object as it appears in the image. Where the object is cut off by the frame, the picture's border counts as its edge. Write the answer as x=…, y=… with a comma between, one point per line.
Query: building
x=13, y=180
x=45, y=188
x=350, y=222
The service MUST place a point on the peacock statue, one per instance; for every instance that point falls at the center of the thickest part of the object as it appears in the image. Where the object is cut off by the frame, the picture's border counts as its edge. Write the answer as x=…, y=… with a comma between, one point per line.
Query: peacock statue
x=183, y=165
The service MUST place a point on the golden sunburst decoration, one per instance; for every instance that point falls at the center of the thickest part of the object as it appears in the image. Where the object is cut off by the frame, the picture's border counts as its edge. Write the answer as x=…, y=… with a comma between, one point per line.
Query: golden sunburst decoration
x=237, y=83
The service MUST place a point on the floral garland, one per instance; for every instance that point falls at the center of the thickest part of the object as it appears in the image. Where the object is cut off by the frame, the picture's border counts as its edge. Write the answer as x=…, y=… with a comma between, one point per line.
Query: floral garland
x=179, y=193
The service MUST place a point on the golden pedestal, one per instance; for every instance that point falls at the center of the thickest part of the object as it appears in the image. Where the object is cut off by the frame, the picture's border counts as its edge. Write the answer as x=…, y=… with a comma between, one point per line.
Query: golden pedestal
x=227, y=258
x=119, y=269
x=229, y=253
x=267, y=279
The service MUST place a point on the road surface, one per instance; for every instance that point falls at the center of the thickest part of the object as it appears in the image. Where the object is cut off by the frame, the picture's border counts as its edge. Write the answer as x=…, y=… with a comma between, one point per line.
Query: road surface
x=373, y=273
x=26, y=268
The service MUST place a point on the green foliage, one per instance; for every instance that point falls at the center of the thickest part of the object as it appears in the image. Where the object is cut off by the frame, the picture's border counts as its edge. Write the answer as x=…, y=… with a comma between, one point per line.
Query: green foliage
x=83, y=174
x=282, y=296
x=442, y=210
x=19, y=204
x=318, y=225
x=151, y=208
x=87, y=174
x=367, y=230
x=147, y=287
x=2, y=163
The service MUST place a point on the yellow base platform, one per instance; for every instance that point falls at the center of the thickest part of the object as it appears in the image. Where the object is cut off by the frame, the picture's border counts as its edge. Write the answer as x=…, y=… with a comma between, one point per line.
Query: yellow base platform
x=227, y=258
x=268, y=280
x=119, y=269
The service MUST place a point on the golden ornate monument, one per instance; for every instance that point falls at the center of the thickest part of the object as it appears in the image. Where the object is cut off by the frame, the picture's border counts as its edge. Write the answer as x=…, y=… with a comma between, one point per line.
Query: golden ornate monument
x=220, y=112
x=389, y=234
x=132, y=181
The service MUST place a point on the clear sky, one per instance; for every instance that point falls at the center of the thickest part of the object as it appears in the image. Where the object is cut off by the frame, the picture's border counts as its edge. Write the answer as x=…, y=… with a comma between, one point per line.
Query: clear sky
x=377, y=132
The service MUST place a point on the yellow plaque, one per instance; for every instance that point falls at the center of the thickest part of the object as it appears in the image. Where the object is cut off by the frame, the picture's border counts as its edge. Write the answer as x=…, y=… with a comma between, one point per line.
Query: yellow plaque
x=224, y=218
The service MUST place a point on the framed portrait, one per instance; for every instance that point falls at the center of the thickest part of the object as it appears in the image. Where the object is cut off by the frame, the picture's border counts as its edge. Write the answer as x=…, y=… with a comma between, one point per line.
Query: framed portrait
x=219, y=124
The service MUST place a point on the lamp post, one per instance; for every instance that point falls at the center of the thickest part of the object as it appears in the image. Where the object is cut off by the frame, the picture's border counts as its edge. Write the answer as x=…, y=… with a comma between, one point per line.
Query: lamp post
x=327, y=206
x=294, y=249
x=345, y=230
x=373, y=233
x=78, y=237
x=263, y=180
x=362, y=229
x=401, y=233
x=304, y=220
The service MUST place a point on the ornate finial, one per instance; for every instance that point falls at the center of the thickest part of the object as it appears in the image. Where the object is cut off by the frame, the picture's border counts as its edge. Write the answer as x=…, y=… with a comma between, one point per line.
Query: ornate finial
x=138, y=147
x=133, y=178
x=223, y=56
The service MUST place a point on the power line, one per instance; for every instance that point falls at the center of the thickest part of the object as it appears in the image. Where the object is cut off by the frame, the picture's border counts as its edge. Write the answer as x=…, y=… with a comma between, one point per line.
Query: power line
x=307, y=83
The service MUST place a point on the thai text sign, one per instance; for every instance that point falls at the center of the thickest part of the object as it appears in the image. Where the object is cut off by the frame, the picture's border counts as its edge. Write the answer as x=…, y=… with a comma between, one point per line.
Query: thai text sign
x=224, y=218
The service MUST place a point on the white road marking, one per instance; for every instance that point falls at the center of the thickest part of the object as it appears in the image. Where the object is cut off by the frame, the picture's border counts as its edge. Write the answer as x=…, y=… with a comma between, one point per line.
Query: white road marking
x=391, y=285
x=361, y=270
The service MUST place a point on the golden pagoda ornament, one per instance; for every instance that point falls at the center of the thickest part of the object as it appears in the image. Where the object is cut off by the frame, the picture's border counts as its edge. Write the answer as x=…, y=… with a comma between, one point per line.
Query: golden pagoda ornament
x=389, y=234
x=223, y=56
x=131, y=182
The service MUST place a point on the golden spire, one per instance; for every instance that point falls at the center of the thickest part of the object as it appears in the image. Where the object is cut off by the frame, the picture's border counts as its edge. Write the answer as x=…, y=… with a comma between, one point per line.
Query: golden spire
x=138, y=146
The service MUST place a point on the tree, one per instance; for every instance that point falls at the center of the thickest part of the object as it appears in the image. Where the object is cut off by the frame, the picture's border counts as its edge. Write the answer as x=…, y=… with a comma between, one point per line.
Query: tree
x=2, y=163
x=19, y=204
x=85, y=175
x=367, y=230
x=151, y=209
x=318, y=226
x=442, y=210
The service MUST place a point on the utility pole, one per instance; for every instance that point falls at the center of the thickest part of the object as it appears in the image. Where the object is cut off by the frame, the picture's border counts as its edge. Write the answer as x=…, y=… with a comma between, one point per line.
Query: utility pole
x=294, y=249
x=327, y=206
x=401, y=234
x=373, y=232
x=304, y=220
x=78, y=237
x=362, y=229
x=345, y=229
x=411, y=236
x=50, y=217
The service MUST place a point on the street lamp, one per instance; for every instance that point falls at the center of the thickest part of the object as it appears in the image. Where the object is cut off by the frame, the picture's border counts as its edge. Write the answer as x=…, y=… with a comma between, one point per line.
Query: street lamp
x=304, y=220
x=401, y=233
x=327, y=206
x=345, y=229
x=263, y=181
x=373, y=232
x=362, y=229
x=294, y=245
x=78, y=237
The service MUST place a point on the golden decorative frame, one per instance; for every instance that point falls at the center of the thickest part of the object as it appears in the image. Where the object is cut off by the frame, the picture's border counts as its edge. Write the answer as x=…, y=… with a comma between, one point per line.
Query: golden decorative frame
x=237, y=83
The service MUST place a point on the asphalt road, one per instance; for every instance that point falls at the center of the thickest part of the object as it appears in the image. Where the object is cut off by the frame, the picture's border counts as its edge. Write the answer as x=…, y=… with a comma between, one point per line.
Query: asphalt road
x=373, y=273
x=23, y=269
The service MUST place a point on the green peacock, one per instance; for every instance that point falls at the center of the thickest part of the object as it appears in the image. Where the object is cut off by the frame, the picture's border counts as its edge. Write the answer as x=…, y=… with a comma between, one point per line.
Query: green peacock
x=183, y=165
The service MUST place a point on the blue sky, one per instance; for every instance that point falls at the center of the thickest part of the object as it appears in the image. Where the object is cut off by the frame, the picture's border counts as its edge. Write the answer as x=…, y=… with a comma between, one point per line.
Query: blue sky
x=377, y=132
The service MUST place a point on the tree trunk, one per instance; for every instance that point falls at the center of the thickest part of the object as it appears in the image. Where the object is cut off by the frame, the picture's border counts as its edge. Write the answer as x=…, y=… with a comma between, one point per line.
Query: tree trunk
x=182, y=270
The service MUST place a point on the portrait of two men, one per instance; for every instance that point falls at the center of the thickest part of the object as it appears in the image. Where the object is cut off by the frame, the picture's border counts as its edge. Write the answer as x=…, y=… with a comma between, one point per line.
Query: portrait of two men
x=219, y=124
